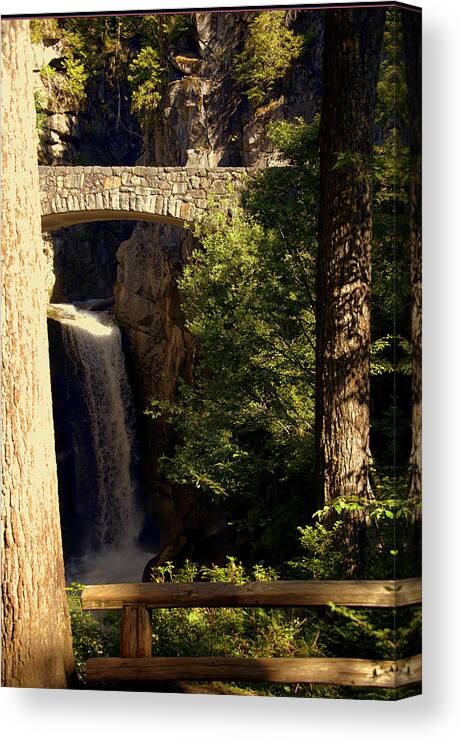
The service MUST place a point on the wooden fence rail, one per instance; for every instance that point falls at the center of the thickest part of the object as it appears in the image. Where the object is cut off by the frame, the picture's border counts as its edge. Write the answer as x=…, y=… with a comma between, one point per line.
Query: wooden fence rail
x=136, y=599
x=295, y=593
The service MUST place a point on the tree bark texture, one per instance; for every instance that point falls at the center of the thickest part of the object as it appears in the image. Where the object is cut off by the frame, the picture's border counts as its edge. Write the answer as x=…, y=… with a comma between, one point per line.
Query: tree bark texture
x=36, y=634
x=352, y=49
x=411, y=25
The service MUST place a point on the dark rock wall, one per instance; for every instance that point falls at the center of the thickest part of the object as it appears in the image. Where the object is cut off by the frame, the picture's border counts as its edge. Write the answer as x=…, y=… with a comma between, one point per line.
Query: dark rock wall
x=83, y=260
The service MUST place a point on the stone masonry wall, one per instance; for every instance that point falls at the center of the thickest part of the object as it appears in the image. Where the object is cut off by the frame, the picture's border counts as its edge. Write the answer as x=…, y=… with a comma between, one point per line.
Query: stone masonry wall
x=170, y=195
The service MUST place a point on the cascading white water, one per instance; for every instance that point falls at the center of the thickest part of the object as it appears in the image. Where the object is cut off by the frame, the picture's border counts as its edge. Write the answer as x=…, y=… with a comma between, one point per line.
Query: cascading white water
x=92, y=343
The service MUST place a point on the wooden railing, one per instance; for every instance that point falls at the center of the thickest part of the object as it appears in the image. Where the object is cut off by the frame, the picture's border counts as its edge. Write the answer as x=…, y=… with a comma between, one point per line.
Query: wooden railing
x=136, y=664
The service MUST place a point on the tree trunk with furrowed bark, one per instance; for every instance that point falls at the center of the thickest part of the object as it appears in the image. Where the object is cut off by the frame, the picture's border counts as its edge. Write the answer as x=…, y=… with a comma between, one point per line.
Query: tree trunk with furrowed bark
x=36, y=634
x=411, y=25
x=352, y=50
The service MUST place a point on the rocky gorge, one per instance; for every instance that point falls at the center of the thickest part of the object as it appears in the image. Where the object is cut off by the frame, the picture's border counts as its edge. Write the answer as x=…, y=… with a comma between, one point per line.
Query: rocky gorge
x=203, y=119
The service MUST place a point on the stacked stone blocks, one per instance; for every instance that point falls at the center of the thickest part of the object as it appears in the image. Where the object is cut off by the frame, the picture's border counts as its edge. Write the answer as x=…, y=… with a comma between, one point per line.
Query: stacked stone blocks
x=174, y=195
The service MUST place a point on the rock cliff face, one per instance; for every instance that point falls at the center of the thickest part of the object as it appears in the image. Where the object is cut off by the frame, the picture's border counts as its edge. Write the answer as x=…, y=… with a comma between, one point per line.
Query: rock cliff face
x=198, y=121
x=81, y=260
x=148, y=307
x=101, y=131
x=203, y=119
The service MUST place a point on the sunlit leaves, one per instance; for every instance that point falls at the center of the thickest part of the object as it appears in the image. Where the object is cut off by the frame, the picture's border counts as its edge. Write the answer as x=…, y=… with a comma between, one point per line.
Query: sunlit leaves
x=270, y=50
x=245, y=424
x=145, y=77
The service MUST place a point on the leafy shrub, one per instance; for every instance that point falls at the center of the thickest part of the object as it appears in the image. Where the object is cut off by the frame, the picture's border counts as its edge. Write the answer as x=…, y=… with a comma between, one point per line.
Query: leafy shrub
x=146, y=81
x=325, y=558
x=270, y=50
x=234, y=632
x=260, y=632
x=40, y=113
x=43, y=28
x=66, y=87
x=91, y=637
x=245, y=423
x=283, y=632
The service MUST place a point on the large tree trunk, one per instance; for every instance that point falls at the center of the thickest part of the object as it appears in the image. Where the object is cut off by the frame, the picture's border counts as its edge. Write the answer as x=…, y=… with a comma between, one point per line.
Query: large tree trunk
x=411, y=25
x=350, y=70
x=36, y=635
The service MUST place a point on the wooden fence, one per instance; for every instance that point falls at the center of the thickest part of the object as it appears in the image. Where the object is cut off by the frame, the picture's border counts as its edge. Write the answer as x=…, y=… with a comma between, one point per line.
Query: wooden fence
x=135, y=663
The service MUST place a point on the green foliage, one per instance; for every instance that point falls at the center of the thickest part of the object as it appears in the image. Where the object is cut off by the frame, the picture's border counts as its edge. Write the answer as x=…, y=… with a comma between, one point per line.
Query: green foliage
x=380, y=363
x=164, y=31
x=66, y=88
x=285, y=632
x=123, y=51
x=65, y=82
x=245, y=424
x=325, y=558
x=297, y=141
x=386, y=633
x=270, y=50
x=384, y=529
x=91, y=637
x=376, y=509
x=146, y=81
x=250, y=378
x=44, y=28
x=234, y=632
x=392, y=88
x=40, y=113
x=147, y=70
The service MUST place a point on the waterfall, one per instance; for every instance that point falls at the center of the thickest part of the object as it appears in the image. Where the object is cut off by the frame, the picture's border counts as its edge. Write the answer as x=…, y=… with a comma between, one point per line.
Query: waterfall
x=102, y=506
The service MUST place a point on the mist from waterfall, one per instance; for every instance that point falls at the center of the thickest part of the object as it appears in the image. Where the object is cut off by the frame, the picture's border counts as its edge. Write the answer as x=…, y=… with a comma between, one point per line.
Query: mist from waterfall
x=104, y=498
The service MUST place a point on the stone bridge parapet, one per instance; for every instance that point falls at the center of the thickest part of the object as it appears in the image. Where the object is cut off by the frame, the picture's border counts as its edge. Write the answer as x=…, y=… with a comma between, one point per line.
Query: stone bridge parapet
x=170, y=195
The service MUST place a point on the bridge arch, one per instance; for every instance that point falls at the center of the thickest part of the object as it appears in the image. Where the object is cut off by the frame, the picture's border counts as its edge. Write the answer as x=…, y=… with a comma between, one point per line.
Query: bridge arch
x=168, y=195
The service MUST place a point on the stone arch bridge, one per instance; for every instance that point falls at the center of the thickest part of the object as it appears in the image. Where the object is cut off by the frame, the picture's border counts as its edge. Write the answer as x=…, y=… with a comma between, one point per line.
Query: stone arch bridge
x=170, y=195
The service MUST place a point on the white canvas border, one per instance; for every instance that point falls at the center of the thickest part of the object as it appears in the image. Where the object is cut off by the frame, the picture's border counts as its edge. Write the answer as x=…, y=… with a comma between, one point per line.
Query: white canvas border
x=86, y=714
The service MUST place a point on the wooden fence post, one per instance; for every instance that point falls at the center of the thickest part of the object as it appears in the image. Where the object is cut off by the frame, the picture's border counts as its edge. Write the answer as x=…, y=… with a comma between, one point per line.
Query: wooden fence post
x=136, y=637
